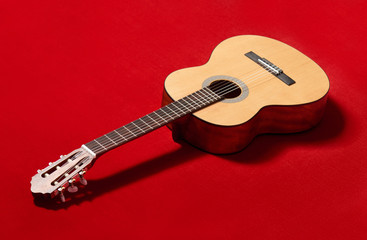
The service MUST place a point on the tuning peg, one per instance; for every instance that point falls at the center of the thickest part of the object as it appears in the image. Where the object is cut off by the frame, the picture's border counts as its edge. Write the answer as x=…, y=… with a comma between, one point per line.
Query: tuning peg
x=62, y=197
x=72, y=188
x=82, y=179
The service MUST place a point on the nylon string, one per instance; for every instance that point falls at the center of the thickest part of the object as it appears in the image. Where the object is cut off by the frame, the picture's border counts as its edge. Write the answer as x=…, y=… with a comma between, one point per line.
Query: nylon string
x=211, y=96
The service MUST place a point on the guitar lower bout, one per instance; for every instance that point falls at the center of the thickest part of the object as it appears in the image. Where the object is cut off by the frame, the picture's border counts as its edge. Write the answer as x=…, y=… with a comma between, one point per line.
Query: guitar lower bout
x=281, y=91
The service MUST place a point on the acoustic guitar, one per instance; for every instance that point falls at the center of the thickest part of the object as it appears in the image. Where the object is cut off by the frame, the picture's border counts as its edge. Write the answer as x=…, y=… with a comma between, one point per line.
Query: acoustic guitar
x=251, y=85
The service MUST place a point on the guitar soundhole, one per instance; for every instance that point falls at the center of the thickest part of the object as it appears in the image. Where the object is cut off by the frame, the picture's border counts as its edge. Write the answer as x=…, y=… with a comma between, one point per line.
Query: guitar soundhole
x=225, y=88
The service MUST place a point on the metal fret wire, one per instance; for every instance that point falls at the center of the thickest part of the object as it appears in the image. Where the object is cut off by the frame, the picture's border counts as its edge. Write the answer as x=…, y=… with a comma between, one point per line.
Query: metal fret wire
x=98, y=148
x=172, y=111
x=103, y=144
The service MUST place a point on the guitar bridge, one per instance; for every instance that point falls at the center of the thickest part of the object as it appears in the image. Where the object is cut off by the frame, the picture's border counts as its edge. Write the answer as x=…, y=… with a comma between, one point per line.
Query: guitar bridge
x=270, y=67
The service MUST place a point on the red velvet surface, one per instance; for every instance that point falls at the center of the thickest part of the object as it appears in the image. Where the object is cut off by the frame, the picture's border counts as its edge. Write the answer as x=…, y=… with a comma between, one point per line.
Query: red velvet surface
x=71, y=71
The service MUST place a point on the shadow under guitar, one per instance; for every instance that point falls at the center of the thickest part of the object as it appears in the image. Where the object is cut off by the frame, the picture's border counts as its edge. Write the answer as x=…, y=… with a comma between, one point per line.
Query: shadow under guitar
x=262, y=149
x=266, y=146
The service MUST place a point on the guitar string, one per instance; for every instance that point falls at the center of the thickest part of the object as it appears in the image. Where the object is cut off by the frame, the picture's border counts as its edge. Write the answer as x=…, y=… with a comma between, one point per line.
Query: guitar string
x=115, y=141
x=140, y=129
x=146, y=127
x=70, y=169
x=107, y=144
x=226, y=85
x=223, y=88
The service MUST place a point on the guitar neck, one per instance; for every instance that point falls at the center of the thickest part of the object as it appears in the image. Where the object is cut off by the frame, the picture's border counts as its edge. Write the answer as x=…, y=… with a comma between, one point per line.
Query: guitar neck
x=189, y=104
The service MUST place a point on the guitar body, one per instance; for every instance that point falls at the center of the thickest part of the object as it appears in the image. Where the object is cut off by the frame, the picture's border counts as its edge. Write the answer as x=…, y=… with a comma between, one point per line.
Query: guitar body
x=265, y=105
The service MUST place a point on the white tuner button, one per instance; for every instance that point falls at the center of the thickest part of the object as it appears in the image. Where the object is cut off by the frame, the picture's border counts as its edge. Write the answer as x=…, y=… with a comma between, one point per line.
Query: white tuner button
x=72, y=188
x=62, y=197
x=82, y=179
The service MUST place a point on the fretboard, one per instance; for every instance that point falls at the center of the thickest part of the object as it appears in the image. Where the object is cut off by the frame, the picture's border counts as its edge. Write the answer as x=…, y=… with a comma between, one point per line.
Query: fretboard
x=189, y=104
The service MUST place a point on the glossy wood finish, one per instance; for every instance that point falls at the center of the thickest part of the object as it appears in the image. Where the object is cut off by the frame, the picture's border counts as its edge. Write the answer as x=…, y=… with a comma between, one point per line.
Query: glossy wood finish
x=271, y=107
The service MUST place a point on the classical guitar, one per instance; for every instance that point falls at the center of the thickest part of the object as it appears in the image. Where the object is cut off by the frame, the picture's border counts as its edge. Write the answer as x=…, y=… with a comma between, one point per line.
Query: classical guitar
x=250, y=85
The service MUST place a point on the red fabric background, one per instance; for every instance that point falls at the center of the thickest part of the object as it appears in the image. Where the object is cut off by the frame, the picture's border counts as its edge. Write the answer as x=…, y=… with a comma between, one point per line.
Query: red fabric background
x=71, y=71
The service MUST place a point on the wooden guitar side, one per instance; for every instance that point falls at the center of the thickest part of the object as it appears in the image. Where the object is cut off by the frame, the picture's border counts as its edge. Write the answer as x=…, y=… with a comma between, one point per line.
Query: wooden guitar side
x=230, y=139
x=273, y=107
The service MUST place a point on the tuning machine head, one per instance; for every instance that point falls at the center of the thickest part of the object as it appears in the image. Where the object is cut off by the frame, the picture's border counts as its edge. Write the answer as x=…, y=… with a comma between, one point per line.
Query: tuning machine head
x=82, y=179
x=61, y=193
x=62, y=174
x=72, y=188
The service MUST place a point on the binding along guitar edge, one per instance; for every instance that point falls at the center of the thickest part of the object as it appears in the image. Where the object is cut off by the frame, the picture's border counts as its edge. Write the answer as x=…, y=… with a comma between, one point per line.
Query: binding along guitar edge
x=251, y=85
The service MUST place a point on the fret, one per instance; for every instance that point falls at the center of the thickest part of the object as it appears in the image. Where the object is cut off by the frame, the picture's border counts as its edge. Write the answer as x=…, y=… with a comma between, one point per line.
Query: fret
x=137, y=126
x=202, y=96
x=206, y=94
x=93, y=146
x=90, y=145
x=192, y=102
x=119, y=134
x=181, y=106
x=214, y=96
x=116, y=137
x=167, y=106
x=99, y=144
x=195, y=100
x=204, y=90
x=190, y=105
x=129, y=130
x=211, y=93
x=198, y=98
x=156, y=113
x=154, y=120
x=96, y=147
x=125, y=133
x=177, y=104
x=181, y=100
x=173, y=105
x=146, y=122
x=104, y=140
x=164, y=113
x=110, y=139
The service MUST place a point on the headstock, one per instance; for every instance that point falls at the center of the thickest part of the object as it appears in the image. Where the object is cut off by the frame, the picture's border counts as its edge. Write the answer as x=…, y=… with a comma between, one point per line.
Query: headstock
x=63, y=174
